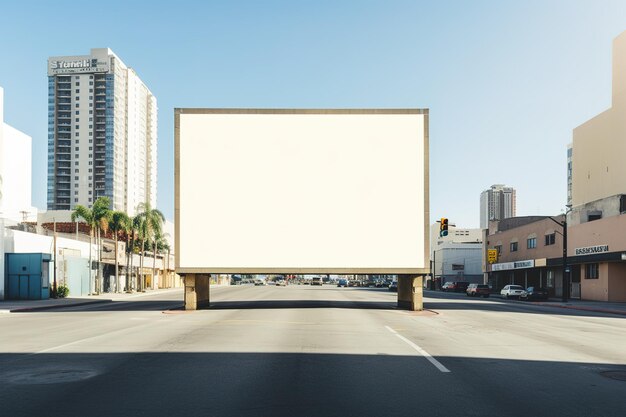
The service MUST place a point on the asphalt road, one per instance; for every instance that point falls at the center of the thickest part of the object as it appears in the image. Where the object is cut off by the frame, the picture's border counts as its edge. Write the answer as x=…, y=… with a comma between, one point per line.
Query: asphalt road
x=312, y=351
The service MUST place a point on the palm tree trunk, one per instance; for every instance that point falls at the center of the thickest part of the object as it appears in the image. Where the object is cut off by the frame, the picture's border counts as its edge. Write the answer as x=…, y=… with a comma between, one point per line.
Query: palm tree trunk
x=154, y=266
x=141, y=277
x=117, y=277
x=89, y=269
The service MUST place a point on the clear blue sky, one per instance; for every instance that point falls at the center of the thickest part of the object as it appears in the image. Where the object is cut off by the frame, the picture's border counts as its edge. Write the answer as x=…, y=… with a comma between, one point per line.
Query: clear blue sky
x=505, y=81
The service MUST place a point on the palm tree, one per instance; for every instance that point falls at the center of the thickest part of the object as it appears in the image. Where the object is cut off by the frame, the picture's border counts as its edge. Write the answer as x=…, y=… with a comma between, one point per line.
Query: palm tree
x=139, y=224
x=118, y=223
x=101, y=216
x=82, y=212
x=130, y=233
x=153, y=224
x=162, y=247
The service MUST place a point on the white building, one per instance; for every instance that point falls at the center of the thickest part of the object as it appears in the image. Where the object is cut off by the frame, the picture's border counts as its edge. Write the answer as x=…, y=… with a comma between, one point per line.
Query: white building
x=456, y=256
x=102, y=133
x=496, y=203
x=15, y=172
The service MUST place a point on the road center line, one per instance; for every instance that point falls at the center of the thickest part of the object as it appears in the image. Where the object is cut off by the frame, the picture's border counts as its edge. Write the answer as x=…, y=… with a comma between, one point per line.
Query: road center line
x=421, y=351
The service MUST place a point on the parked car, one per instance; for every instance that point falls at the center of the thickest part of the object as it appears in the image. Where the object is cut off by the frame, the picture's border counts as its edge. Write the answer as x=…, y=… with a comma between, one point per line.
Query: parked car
x=455, y=286
x=512, y=291
x=281, y=283
x=393, y=286
x=534, y=293
x=342, y=283
x=258, y=282
x=477, y=290
x=354, y=283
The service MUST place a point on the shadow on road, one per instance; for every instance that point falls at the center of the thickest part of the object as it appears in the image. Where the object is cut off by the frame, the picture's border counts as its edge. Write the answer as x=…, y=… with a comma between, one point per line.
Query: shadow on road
x=301, y=384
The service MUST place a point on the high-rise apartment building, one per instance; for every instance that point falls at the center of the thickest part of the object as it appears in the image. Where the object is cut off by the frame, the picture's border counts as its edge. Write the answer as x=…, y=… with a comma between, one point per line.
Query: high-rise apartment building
x=496, y=203
x=102, y=133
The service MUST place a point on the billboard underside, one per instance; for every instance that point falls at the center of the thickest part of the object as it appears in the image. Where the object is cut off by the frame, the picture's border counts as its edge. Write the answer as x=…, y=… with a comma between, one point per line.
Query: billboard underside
x=301, y=191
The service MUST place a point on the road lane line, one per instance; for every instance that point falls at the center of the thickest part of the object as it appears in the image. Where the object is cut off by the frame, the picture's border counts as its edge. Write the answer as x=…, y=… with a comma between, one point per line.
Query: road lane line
x=422, y=352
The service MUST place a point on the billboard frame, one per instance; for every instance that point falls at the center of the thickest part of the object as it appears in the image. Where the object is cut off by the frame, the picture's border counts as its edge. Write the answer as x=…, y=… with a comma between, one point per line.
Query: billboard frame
x=279, y=270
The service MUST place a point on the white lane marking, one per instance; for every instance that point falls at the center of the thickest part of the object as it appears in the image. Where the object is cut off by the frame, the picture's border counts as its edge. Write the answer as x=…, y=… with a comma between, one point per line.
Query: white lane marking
x=422, y=352
x=87, y=338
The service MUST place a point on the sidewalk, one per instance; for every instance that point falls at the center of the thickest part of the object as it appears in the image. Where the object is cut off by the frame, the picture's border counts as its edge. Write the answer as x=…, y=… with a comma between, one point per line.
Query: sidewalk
x=572, y=304
x=594, y=306
x=16, y=306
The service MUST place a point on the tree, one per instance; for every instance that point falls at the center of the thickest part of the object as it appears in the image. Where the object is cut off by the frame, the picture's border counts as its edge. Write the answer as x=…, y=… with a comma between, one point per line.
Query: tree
x=139, y=224
x=101, y=217
x=97, y=218
x=130, y=232
x=82, y=212
x=118, y=223
x=153, y=225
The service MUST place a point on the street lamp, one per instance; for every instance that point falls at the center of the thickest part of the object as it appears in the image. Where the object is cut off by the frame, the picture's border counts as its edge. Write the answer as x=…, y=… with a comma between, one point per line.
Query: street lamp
x=564, y=278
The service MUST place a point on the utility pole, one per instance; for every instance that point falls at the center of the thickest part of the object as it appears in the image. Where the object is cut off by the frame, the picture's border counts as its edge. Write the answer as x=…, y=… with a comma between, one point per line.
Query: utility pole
x=565, y=278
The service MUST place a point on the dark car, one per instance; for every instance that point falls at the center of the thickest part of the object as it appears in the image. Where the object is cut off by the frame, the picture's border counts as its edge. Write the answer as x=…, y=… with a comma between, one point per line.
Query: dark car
x=477, y=290
x=455, y=286
x=534, y=293
x=393, y=286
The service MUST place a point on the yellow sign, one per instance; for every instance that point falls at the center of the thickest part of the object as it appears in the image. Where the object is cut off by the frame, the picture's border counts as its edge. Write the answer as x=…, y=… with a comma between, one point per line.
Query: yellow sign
x=492, y=256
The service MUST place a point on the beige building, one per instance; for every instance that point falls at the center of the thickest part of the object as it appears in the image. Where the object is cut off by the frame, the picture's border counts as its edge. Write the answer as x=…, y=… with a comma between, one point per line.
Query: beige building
x=597, y=242
x=599, y=146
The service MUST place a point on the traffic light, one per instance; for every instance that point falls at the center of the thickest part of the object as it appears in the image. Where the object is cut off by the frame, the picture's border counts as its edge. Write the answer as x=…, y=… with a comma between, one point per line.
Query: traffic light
x=443, y=227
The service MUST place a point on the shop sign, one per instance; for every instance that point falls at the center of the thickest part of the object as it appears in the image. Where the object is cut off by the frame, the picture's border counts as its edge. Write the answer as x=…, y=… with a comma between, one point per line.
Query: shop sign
x=492, y=256
x=513, y=265
x=590, y=250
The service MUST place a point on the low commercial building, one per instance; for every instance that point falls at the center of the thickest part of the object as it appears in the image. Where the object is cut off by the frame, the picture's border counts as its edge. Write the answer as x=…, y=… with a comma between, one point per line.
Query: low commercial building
x=529, y=252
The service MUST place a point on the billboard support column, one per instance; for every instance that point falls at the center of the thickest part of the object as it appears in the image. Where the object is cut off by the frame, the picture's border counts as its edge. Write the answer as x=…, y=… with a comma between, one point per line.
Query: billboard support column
x=196, y=291
x=411, y=292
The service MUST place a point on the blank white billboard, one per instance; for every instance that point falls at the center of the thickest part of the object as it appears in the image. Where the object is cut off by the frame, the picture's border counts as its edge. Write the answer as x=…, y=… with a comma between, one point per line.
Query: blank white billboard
x=301, y=191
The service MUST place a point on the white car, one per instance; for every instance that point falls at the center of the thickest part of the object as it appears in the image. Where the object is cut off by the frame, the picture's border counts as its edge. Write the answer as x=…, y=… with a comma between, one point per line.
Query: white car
x=512, y=291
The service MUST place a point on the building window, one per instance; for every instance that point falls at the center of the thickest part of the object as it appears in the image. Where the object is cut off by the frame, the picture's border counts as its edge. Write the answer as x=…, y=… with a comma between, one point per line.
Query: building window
x=77, y=120
x=76, y=171
x=77, y=98
x=77, y=90
x=591, y=271
x=550, y=279
x=531, y=243
x=622, y=203
x=76, y=178
x=513, y=246
x=550, y=239
x=77, y=84
x=594, y=215
x=76, y=192
x=76, y=104
x=77, y=112
x=498, y=248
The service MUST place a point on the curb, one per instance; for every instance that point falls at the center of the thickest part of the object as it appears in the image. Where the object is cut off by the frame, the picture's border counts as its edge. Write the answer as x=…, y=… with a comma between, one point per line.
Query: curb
x=56, y=306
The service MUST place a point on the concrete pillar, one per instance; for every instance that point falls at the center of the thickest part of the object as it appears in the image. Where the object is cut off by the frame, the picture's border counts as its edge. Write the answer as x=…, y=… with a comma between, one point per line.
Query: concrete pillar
x=411, y=292
x=196, y=291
